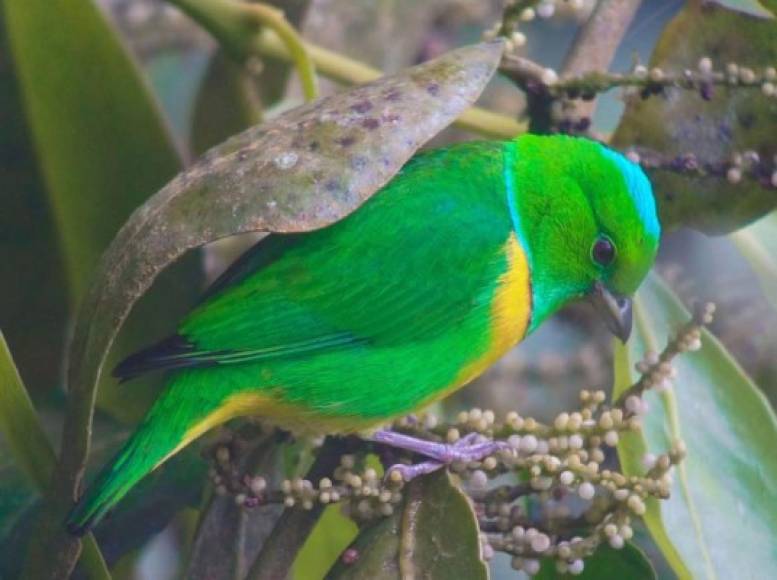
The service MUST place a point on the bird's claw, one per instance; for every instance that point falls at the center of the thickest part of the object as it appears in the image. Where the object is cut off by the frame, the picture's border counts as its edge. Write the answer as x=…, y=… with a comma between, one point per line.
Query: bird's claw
x=467, y=449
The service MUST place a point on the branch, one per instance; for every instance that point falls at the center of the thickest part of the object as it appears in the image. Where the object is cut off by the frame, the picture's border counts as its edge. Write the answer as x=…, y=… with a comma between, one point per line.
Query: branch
x=533, y=77
x=595, y=45
x=746, y=165
x=656, y=371
x=274, y=20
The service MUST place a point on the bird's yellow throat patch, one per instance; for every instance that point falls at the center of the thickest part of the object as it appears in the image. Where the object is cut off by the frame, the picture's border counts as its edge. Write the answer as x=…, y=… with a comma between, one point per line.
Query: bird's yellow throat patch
x=511, y=310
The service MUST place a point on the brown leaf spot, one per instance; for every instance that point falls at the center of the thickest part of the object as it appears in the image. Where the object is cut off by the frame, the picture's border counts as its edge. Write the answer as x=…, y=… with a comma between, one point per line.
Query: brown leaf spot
x=346, y=141
x=361, y=107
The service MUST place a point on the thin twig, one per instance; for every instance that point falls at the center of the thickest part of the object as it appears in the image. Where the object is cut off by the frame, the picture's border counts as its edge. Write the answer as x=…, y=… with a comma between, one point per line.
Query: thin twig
x=595, y=46
x=274, y=19
x=531, y=76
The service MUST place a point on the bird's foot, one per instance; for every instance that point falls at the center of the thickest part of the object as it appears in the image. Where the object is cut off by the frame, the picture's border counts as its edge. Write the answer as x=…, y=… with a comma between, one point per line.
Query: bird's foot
x=468, y=448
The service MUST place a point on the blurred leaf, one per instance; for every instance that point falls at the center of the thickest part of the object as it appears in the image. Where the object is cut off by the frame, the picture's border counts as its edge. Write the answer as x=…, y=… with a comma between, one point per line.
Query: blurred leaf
x=100, y=139
x=607, y=564
x=20, y=425
x=29, y=446
x=17, y=494
x=758, y=244
x=332, y=534
x=434, y=535
x=681, y=122
x=33, y=308
x=721, y=518
x=751, y=7
x=228, y=102
x=102, y=147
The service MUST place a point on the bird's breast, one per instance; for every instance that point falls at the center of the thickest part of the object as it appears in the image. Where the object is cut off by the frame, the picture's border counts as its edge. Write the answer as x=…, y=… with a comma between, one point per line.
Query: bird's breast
x=509, y=316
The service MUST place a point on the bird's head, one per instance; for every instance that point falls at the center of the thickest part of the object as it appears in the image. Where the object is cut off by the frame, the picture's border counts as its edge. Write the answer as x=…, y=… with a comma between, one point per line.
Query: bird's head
x=587, y=218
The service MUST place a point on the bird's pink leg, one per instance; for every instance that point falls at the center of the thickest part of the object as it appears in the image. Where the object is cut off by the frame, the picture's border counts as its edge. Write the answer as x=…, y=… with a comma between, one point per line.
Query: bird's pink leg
x=466, y=449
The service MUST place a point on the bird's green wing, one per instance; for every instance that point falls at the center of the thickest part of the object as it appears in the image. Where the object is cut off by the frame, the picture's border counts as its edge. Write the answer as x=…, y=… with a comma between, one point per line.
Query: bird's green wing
x=409, y=264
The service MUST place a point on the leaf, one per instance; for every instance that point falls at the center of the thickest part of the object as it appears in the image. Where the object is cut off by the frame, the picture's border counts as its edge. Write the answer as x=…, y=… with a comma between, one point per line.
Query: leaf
x=33, y=309
x=102, y=147
x=758, y=244
x=721, y=518
x=17, y=495
x=734, y=120
x=19, y=423
x=434, y=535
x=99, y=136
x=607, y=564
x=445, y=539
x=227, y=103
x=750, y=7
x=29, y=446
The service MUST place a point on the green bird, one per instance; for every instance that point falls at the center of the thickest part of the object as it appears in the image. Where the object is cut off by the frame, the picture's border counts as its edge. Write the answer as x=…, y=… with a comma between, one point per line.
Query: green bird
x=463, y=253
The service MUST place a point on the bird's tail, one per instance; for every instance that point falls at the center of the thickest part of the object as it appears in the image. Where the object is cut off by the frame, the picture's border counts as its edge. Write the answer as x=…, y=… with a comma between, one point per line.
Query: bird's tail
x=170, y=425
x=134, y=460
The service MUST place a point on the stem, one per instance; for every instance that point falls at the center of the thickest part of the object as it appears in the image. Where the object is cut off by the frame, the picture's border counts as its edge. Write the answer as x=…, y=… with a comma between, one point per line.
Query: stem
x=274, y=20
x=596, y=43
x=231, y=26
x=235, y=24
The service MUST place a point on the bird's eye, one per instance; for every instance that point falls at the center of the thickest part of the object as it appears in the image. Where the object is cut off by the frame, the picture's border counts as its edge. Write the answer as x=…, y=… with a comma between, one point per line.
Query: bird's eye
x=603, y=251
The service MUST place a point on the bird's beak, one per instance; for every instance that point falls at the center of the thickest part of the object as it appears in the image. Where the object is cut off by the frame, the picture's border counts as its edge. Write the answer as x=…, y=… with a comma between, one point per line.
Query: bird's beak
x=616, y=310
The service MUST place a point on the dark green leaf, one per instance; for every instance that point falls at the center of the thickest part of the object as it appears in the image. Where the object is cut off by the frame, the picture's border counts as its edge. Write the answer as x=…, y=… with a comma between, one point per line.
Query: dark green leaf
x=734, y=120
x=103, y=148
x=33, y=309
x=721, y=517
x=434, y=535
x=19, y=424
x=101, y=142
x=17, y=494
x=440, y=531
x=30, y=448
x=607, y=564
